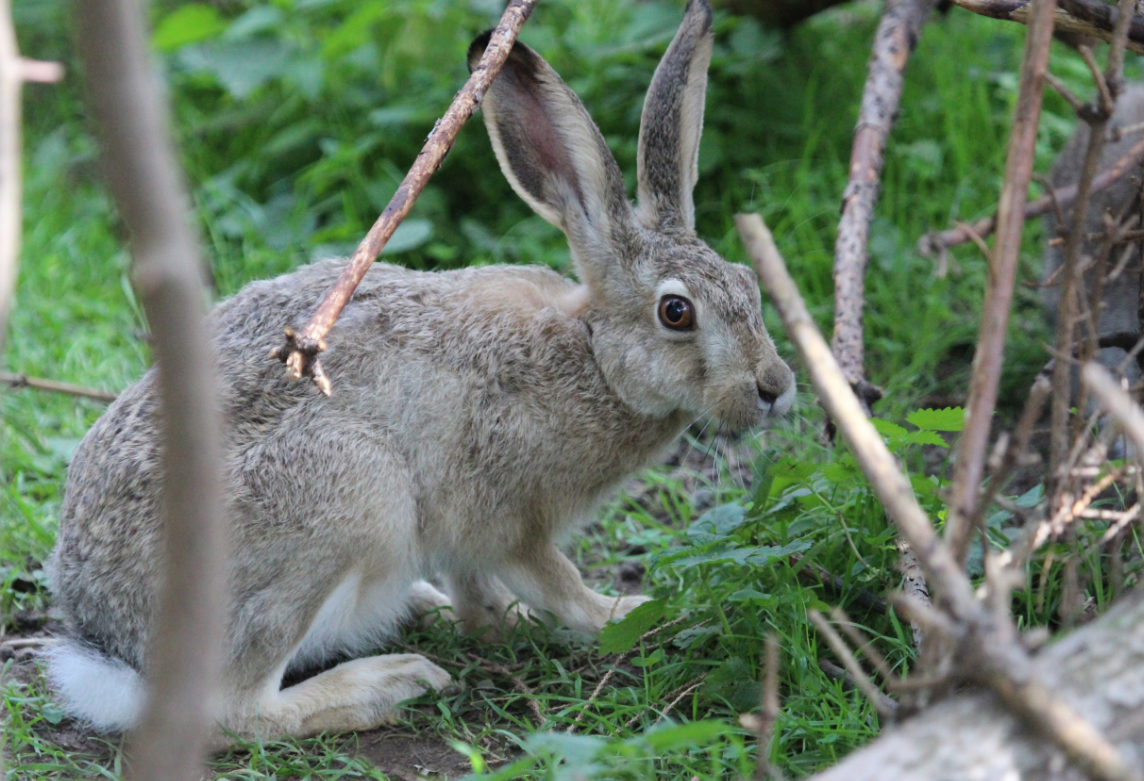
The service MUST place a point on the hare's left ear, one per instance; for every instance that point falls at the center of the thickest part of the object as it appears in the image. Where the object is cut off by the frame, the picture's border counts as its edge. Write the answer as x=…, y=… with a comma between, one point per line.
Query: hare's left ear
x=668, y=155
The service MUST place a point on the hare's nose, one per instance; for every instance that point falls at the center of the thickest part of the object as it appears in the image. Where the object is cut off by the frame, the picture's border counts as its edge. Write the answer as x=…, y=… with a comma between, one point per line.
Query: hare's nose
x=766, y=397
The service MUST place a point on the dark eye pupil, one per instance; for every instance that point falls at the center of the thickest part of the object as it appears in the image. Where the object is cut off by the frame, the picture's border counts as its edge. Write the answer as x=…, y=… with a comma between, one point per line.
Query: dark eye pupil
x=675, y=310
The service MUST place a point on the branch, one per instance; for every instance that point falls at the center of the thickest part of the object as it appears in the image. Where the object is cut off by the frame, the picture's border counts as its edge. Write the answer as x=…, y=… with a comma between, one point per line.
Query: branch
x=300, y=353
x=17, y=381
x=11, y=77
x=893, y=42
x=933, y=243
x=985, y=646
x=1120, y=406
x=974, y=441
x=1083, y=17
x=186, y=638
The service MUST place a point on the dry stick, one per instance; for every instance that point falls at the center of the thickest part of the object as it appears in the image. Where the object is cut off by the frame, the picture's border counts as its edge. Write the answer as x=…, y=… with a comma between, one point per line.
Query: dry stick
x=881, y=702
x=300, y=353
x=770, y=711
x=893, y=42
x=974, y=441
x=186, y=639
x=17, y=381
x=932, y=243
x=1082, y=17
x=11, y=77
x=1120, y=406
x=986, y=650
x=1067, y=313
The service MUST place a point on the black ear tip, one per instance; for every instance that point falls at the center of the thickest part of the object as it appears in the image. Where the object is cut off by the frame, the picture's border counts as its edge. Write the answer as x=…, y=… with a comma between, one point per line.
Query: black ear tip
x=477, y=48
x=701, y=7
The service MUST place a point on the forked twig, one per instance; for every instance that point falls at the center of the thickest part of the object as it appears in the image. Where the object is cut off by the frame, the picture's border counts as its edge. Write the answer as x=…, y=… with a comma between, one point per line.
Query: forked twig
x=301, y=350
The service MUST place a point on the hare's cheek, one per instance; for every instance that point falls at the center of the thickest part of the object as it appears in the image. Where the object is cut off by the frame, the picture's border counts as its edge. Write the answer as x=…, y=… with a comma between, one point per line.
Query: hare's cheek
x=738, y=411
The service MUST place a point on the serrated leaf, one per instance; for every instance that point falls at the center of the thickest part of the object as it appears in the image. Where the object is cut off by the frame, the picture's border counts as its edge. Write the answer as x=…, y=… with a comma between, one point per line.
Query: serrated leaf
x=888, y=429
x=188, y=24
x=948, y=419
x=620, y=636
x=925, y=438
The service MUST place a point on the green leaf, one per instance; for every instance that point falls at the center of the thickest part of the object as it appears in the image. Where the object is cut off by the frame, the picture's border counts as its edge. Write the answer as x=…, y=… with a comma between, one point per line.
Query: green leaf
x=717, y=523
x=948, y=419
x=673, y=736
x=620, y=636
x=888, y=429
x=190, y=23
x=410, y=234
x=924, y=438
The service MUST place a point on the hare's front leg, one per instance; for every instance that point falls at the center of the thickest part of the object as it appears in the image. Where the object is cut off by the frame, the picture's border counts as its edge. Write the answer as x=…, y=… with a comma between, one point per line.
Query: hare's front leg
x=356, y=695
x=547, y=581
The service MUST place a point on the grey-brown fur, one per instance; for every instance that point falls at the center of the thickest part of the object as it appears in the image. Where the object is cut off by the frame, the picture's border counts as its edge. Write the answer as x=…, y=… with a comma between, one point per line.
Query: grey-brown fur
x=478, y=418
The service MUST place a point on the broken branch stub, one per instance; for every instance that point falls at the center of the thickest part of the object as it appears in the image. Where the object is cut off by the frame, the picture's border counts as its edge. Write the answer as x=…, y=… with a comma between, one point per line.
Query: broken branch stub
x=893, y=42
x=301, y=350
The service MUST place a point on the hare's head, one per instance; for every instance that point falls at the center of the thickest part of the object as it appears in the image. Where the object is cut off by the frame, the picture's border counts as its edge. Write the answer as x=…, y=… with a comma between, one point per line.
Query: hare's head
x=674, y=326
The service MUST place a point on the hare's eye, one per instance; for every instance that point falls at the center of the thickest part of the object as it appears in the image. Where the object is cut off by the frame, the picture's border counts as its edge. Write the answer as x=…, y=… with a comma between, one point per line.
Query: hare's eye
x=676, y=312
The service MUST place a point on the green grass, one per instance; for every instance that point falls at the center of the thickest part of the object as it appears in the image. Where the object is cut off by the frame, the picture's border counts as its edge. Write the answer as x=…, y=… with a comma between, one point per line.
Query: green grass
x=299, y=160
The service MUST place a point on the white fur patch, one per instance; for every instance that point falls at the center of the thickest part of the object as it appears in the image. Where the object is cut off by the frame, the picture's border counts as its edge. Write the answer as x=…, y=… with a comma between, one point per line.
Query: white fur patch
x=104, y=692
x=357, y=617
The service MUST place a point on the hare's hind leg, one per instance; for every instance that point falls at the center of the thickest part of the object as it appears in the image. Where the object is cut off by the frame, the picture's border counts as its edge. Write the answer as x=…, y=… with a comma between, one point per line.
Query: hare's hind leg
x=356, y=695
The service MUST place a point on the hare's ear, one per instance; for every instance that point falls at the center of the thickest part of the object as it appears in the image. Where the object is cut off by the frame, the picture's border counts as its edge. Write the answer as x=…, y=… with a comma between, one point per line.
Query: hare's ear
x=554, y=156
x=668, y=155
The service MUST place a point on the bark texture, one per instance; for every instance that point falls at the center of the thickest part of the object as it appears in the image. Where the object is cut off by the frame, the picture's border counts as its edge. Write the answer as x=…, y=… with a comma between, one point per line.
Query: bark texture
x=1098, y=670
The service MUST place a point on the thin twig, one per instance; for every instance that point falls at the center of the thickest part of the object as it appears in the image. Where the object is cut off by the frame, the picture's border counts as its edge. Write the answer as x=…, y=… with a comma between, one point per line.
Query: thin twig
x=185, y=654
x=933, y=243
x=970, y=464
x=301, y=350
x=17, y=381
x=770, y=711
x=11, y=195
x=880, y=701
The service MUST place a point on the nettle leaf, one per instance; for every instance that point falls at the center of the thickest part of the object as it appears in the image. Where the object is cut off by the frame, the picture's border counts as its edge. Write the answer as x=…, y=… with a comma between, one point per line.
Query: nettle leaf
x=191, y=23
x=924, y=438
x=888, y=429
x=620, y=636
x=717, y=523
x=948, y=419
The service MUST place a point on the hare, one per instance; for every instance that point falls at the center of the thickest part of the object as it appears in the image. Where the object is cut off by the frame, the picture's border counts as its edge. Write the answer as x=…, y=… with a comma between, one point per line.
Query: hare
x=1119, y=316
x=478, y=418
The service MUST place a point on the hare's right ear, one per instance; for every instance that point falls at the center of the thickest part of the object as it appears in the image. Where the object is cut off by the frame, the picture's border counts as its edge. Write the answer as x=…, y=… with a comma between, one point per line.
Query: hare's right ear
x=667, y=159
x=555, y=158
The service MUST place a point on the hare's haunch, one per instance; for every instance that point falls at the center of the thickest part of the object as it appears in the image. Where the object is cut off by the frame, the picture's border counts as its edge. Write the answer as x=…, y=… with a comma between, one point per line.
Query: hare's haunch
x=478, y=418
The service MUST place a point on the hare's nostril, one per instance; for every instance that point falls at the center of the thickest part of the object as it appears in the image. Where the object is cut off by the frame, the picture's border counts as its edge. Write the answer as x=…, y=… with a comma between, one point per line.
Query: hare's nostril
x=766, y=396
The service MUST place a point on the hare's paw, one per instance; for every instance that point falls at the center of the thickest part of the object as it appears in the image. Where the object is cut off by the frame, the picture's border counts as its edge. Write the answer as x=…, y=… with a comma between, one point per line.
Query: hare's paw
x=625, y=605
x=427, y=604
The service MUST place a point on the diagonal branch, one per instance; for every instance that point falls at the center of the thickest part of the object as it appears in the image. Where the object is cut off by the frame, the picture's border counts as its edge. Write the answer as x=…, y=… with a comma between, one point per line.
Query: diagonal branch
x=301, y=350
x=970, y=464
